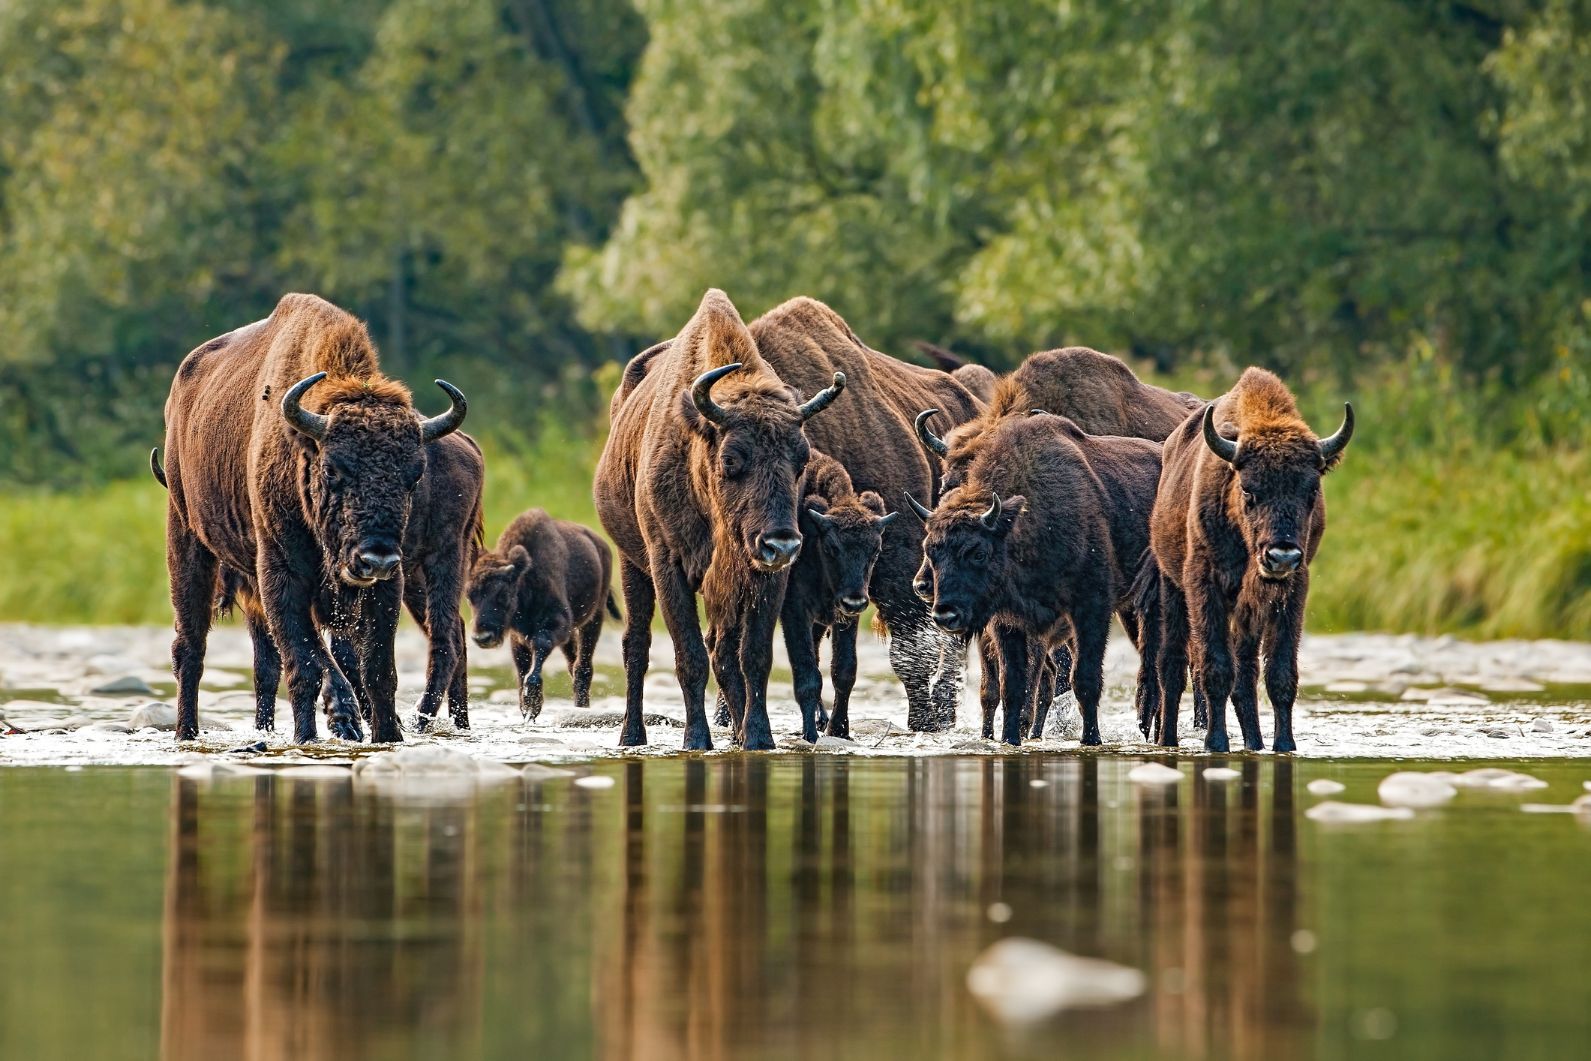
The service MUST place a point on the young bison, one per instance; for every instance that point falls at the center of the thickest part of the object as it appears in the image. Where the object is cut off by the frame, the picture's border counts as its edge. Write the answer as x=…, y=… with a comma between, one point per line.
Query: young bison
x=1237, y=520
x=1042, y=542
x=544, y=587
x=828, y=589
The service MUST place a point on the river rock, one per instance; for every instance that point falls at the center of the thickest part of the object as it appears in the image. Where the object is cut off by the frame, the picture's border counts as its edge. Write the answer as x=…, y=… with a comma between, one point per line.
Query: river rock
x=1221, y=773
x=1023, y=981
x=1408, y=788
x=128, y=685
x=1495, y=777
x=1333, y=812
x=154, y=715
x=1154, y=774
x=1324, y=786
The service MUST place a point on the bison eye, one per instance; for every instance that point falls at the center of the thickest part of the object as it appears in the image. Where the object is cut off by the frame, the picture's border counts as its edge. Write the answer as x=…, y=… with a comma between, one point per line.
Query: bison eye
x=1249, y=499
x=733, y=466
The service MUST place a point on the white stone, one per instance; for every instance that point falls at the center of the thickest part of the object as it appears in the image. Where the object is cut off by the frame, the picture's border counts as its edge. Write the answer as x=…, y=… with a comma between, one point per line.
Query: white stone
x=1354, y=813
x=1324, y=786
x=1221, y=773
x=1408, y=788
x=154, y=715
x=1154, y=774
x=1022, y=981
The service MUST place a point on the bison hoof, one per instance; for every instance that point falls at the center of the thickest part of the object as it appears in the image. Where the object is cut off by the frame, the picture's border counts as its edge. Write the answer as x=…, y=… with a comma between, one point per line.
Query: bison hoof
x=1215, y=741
x=842, y=730
x=187, y=733
x=423, y=722
x=344, y=729
x=634, y=737
x=461, y=720
x=1092, y=739
x=1285, y=745
x=386, y=733
x=699, y=740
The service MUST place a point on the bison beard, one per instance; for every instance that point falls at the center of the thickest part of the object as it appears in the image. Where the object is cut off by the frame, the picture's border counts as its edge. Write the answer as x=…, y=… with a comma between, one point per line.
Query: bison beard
x=697, y=486
x=1238, y=518
x=311, y=502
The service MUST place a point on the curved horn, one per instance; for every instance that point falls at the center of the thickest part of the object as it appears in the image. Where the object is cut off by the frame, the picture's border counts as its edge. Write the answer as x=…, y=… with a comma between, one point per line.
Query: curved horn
x=1224, y=448
x=932, y=442
x=886, y=519
x=702, y=396
x=448, y=422
x=311, y=424
x=1335, y=444
x=821, y=400
x=922, y=513
x=154, y=467
x=820, y=518
x=991, y=518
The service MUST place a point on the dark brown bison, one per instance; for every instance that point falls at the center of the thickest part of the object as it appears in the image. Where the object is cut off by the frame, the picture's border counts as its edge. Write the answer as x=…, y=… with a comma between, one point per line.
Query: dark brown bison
x=291, y=456
x=1043, y=540
x=843, y=533
x=444, y=534
x=872, y=438
x=543, y=587
x=1237, y=520
x=698, y=486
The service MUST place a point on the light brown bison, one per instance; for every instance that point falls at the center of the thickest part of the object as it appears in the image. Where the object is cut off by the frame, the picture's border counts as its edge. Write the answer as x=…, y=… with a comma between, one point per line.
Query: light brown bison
x=1237, y=520
x=698, y=486
x=872, y=438
x=290, y=455
x=544, y=586
x=1043, y=540
x=445, y=532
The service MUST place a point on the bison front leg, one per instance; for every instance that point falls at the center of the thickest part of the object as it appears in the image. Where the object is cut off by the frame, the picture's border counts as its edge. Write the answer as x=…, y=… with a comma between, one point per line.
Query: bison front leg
x=1281, y=661
x=347, y=677
x=524, y=656
x=690, y=655
x=531, y=695
x=721, y=716
x=1091, y=632
x=640, y=600
x=192, y=570
x=458, y=690
x=444, y=631
x=377, y=660
x=808, y=678
x=756, y=660
x=1209, y=621
x=1245, y=690
x=582, y=667
x=267, y=671
x=989, y=679
x=1014, y=682
x=1172, y=666
x=842, y=651
x=309, y=668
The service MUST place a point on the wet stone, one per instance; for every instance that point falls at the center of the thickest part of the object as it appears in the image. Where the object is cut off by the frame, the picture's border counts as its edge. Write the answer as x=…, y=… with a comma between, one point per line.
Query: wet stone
x=1023, y=981
x=154, y=715
x=129, y=685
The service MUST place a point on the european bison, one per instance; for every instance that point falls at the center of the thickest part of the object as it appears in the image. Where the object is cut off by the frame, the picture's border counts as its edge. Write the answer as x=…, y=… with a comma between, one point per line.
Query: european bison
x=872, y=438
x=1237, y=520
x=544, y=587
x=445, y=532
x=1043, y=540
x=844, y=533
x=291, y=456
x=699, y=492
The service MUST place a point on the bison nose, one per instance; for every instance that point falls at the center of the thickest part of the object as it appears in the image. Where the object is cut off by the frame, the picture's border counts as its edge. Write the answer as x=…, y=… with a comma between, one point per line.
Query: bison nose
x=854, y=605
x=377, y=562
x=949, y=618
x=485, y=640
x=1283, y=559
x=778, y=548
x=924, y=591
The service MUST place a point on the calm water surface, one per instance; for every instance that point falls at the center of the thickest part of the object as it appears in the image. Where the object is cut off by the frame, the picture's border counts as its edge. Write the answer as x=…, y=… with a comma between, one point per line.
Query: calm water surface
x=798, y=906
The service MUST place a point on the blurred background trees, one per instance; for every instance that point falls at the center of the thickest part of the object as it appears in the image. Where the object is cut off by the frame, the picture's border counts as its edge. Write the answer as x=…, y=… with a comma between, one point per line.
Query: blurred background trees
x=520, y=190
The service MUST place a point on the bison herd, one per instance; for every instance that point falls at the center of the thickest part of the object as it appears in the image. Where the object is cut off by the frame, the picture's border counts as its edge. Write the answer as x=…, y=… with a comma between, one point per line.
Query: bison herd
x=754, y=466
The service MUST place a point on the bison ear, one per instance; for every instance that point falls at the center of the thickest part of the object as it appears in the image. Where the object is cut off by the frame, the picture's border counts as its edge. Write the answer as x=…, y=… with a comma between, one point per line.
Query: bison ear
x=518, y=558
x=816, y=503
x=872, y=502
x=1011, y=508
x=693, y=417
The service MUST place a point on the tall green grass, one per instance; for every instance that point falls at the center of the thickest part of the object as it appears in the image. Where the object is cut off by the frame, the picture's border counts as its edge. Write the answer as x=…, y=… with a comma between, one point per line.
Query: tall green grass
x=1459, y=508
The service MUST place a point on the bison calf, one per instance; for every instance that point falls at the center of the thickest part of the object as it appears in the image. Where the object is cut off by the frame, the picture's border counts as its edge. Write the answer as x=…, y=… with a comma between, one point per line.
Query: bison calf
x=1237, y=520
x=543, y=587
x=844, y=533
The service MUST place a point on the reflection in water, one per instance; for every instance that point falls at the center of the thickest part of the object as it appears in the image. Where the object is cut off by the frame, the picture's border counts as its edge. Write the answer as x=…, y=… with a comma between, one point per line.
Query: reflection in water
x=712, y=907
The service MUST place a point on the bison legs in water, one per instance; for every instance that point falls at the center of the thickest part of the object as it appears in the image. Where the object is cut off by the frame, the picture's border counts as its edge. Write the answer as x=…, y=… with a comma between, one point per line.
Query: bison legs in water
x=434, y=603
x=640, y=601
x=267, y=672
x=193, y=571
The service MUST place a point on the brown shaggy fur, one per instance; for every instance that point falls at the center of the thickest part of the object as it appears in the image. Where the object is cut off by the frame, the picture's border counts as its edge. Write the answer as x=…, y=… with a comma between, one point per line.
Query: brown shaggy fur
x=251, y=494
x=690, y=503
x=871, y=434
x=1214, y=530
x=544, y=586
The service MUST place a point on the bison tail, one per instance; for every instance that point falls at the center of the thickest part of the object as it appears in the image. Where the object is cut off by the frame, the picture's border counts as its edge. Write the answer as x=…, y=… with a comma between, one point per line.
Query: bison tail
x=613, y=606
x=155, y=469
x=1145, y=594
x=880, y=627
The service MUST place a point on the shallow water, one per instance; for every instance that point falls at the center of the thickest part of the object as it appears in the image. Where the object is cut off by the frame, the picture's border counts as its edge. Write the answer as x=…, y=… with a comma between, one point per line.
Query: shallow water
x=783, y=906
x=1363, y=695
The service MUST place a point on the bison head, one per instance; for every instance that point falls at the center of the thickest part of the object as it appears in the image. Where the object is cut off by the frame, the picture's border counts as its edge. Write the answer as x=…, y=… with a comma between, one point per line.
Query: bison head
x=755, y=455
x=367, y=455
x=493, y=590
x=965, y=558
x=1276, y=488
x=849, y=537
